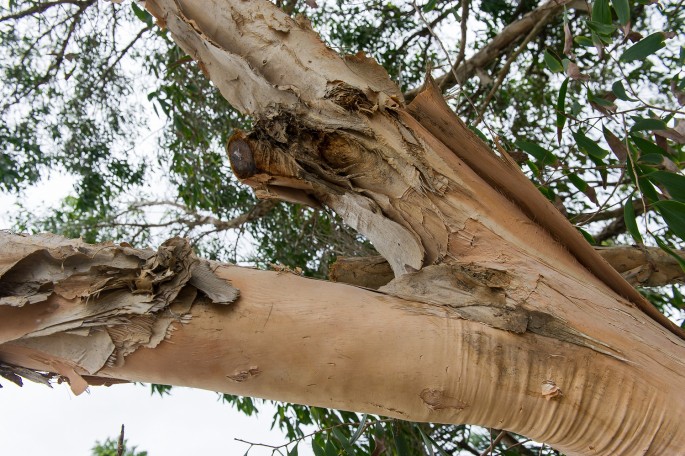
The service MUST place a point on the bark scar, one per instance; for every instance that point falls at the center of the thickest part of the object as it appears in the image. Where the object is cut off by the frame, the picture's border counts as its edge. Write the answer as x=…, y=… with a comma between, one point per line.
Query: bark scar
x=242, y=375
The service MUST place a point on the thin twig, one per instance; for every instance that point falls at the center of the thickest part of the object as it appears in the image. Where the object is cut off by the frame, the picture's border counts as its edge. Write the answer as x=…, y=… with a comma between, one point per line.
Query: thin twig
x=510, y=34
x=44, y=7
x=120, y=444
x=462, y=42
x=493, y=443
x=505, y=69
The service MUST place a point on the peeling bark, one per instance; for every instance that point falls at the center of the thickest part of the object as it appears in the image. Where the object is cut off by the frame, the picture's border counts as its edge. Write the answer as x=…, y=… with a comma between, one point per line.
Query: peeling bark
x=59, y=293
x=499, y=313
x=609, y=389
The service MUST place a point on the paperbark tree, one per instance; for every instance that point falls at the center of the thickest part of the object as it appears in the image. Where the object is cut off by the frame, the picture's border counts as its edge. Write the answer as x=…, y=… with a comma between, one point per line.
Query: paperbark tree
x=500, y=313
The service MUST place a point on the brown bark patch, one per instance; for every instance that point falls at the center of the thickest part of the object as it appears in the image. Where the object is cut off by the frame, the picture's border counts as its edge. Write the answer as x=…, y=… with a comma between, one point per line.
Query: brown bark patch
x=436, y=399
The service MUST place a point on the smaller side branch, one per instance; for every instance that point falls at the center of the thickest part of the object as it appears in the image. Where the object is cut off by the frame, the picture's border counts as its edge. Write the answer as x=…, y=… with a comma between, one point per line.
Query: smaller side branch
x=38, y=9
x=640, y=266
x=462, y=71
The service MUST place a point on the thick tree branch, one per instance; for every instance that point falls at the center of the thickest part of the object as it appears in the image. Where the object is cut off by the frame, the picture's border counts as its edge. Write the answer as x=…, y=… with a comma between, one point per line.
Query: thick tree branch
x=315, y=141
x=102, y=314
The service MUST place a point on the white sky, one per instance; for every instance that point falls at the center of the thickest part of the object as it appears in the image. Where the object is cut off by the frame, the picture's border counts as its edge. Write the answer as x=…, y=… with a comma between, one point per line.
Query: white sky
x=36, y=420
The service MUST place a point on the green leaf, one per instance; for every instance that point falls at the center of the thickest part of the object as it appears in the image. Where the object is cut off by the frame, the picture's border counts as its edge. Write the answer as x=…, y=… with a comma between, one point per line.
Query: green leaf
x=583, y=186
x=620, y=91
x=561, y=108
x=426, y=442
x=541, y=154
x=673, y=213
x=666, y=248
x=617, y=146
x=588, y=237
x=646, y=123
x=533, y=167
x=622, y=8
x=318, y=449
x=631, y=223
x=647, y=147
x=430, y=6
x=678, y=301
x=643, y=48
x=603, y=30
x=337, y=433
x=553, y=63
x=360, y=429
x=478, y=132
x=400, y=444
x=141, y=14
x=647, y=187
x=600, y=101
x=674, y=183
x=583, y=41
x=434, y=443
x=589, y=146
x=331, y=450
x=601, y=12
x=293, y=451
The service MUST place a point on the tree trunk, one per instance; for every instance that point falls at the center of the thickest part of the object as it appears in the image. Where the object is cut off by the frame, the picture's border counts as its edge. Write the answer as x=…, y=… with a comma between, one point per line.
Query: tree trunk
x=500, y=314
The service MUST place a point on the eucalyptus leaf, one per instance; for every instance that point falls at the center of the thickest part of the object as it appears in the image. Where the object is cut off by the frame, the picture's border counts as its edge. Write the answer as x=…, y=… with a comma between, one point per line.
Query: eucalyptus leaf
x=588, y=237
x=553, y=63
x=318, y=449
x=344, y=441
x=330, y=449
x=583, y=41
x=644, y=48
x=620, y=91
x=540, y=154
x=602, y=29
x=601, y=12
x=589, y=146
x=617, y=146
x=674, y=183
x=360, y=429
x=631, y=223
x=622, y=8
x=426, y=442
x=561, y=108
x=673, y=213
x=666, y=248
x=643, y=123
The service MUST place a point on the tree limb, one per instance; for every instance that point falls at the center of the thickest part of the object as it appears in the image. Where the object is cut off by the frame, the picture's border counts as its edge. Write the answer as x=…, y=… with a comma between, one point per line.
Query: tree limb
x=102, y=314
x=518, y=29
x=41, y=8
x=640, y=266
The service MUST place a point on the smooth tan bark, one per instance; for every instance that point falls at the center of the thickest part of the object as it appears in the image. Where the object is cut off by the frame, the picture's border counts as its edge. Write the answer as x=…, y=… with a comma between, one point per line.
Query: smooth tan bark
x=333, y=345
x=499, y=313
x=640, y=266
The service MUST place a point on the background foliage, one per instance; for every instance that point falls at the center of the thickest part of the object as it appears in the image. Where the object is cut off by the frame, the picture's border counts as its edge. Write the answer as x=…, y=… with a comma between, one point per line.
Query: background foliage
x=589, y=101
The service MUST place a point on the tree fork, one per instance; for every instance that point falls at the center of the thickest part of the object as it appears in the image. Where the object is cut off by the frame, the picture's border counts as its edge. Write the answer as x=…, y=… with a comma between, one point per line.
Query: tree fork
x=491, y=318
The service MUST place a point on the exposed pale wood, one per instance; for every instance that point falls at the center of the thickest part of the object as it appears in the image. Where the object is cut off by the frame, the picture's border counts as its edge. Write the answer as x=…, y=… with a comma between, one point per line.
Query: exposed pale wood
x=333, y=131
x=491, y=318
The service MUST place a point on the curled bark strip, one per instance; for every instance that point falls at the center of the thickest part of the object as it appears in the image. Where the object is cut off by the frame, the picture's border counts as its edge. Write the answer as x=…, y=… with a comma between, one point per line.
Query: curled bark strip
x=117, y=297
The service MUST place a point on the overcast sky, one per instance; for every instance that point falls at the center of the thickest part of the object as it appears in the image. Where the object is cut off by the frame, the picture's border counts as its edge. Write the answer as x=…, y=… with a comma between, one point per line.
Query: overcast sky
x=37, y=421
